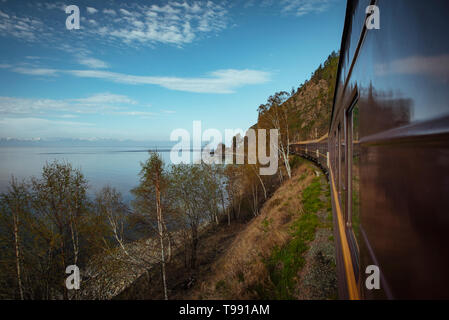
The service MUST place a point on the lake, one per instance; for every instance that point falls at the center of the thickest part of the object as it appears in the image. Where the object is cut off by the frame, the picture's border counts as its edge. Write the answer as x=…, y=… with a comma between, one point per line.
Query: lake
x=115, y=166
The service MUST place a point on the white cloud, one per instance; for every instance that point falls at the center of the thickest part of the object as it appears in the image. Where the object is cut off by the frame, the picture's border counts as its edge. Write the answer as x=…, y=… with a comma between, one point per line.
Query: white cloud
x=37, y=127
x=11, y=105
x=36, y=71
x=54, y=5
x=99, y=103
x=4, y=15
x=110, y=12
x=220, y=81
x=176, y=23
x=125, y=12
x=91, y=10
x=304, y=7
x=92, y=63
x=35, y=117
x=27, y=122
x=24, y=28
x=135, y=113
x=102, y=98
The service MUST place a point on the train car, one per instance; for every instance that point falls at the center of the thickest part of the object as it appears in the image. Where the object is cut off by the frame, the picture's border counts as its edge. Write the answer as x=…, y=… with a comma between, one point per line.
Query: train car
x=315, y=150
x=388, y=151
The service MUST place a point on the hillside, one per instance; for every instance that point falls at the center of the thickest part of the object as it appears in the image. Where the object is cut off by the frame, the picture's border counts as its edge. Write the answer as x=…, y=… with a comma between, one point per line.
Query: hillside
x=287, y=252
x=309, y=108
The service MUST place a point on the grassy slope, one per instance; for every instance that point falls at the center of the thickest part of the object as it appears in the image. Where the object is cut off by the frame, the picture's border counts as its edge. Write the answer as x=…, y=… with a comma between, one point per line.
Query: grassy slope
x=278, y=255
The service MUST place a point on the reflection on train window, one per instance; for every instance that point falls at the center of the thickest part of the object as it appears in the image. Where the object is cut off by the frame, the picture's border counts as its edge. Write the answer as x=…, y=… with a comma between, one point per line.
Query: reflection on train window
x=334, y=164
x=353, y=186
x=338, y=158
x=355, y=174
x=343, y=172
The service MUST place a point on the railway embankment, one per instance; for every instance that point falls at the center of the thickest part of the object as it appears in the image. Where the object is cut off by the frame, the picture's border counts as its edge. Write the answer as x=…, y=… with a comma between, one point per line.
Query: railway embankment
x=285, y=253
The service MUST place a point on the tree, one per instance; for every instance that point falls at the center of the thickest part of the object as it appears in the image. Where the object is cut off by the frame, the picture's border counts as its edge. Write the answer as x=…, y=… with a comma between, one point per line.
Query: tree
x=187, y=187
x=149, y=199
x=60, y=204
x=234, y=188
x=14, y=208
x=46, y=225
x=212, y=192
x=273, y=115
x=127, y=257
x=252, y=183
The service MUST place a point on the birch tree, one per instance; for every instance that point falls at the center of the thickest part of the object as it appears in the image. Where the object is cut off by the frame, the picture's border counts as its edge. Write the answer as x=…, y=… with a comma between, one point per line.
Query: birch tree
x=274, y=115
x=15, y=206
x=234, y=186
x=60, y=204
x=153, y=187
x=186, y=183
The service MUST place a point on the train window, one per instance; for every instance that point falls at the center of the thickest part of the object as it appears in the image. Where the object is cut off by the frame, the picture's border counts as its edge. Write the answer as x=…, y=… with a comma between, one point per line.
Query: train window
x=343, y=170
x=354, y=196
x=338, y=158
x=334, y=158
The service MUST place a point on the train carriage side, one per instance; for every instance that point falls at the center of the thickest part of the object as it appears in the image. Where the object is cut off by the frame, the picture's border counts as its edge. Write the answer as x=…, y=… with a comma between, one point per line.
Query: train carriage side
x=314, y=150
x=389, y=151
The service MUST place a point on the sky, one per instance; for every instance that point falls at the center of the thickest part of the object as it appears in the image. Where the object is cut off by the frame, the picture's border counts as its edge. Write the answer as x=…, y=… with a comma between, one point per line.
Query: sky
x=140, y=69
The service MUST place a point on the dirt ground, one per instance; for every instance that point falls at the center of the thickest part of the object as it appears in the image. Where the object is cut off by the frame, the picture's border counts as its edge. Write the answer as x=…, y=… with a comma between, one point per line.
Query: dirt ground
x=213, y=243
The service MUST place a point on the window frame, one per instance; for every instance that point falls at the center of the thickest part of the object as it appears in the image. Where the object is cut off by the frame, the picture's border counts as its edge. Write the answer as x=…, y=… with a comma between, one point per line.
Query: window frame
x=353, y=241
x=349, y=158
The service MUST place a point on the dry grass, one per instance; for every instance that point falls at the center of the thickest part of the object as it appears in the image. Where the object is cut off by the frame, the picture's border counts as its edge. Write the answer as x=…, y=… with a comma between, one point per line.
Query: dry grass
x=241, y=272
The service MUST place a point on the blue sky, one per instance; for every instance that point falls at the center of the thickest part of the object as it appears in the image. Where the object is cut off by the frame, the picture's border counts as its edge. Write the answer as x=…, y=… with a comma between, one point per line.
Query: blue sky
x=140, y=69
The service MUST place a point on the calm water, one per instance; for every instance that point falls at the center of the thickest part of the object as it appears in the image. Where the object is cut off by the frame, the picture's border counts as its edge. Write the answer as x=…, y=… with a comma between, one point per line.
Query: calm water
x=115, y=166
